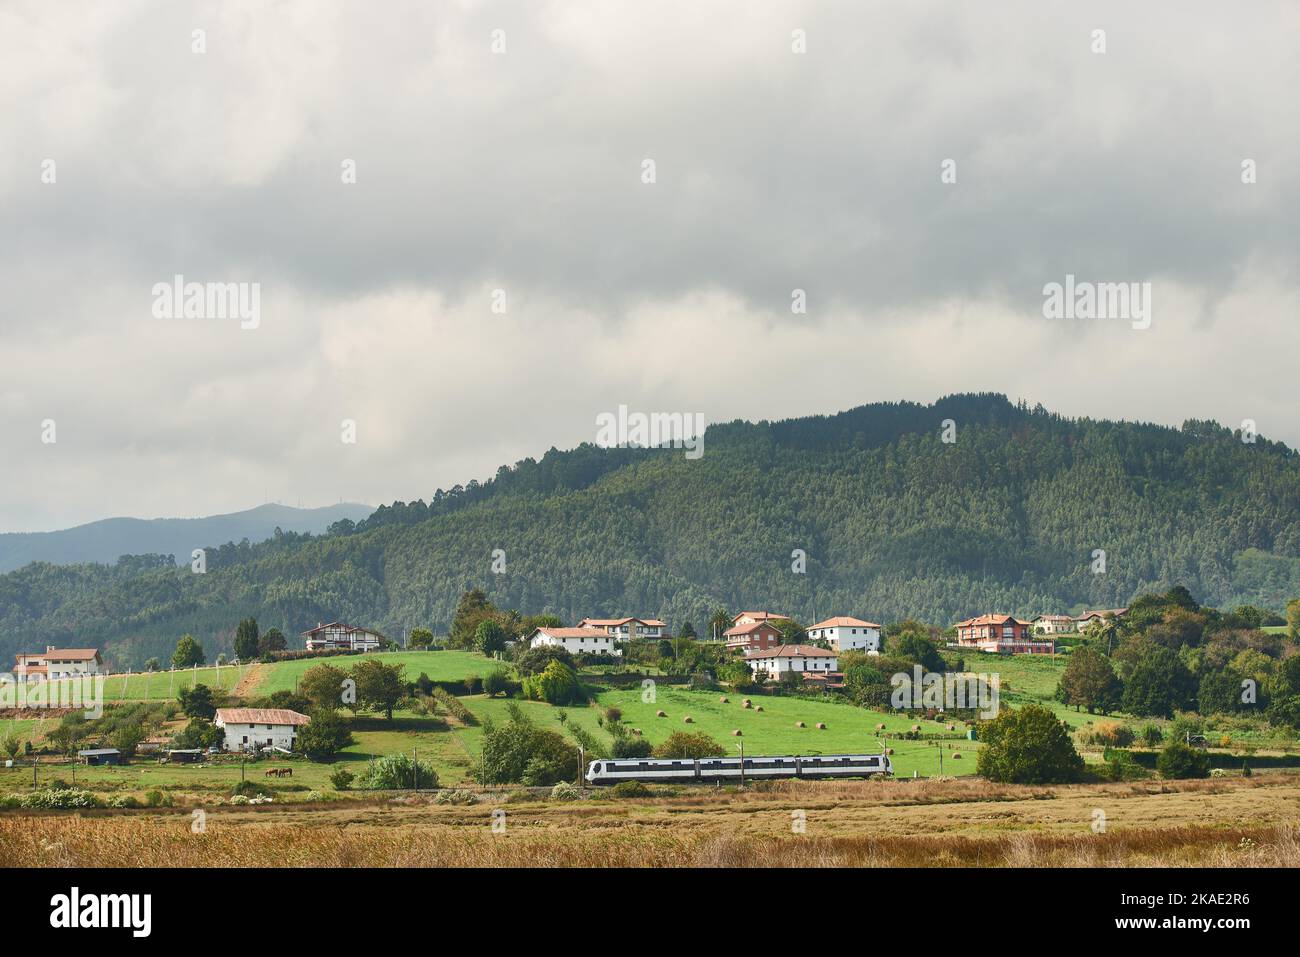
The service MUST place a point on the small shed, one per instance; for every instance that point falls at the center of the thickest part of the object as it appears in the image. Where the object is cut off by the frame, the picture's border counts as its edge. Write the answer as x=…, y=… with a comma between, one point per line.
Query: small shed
x=100, y=756
x=185, y=755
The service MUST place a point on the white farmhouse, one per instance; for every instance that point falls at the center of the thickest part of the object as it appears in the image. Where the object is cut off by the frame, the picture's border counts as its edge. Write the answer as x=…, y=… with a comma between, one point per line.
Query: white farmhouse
x=845, y=633
x=58, y=663
x=576, y=641
x=250, y=728
x=801, y=659
x=338, y=634
x=624, y=628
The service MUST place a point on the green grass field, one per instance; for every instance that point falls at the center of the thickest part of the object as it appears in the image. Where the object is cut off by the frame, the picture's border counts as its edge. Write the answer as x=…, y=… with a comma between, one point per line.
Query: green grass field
x=438, y=665
x=159, y=685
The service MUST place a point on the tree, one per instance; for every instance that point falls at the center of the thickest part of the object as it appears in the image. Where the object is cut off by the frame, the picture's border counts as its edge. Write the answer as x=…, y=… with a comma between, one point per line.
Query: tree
x=246, y=636
x=688, y=744
x=1178, y=760
x=1158, y=684
x=792, y=633
x=1028, y=746
x=379, y=686
x=419, y=638
x=198, y=702
x=719, y=622
x=489, y=637
x=557, y=684
x=1220, y=692
x=399, y=771
x=11, y=746
x=199, y=733
x=916, y=646
x=273, y=640
x=1293, y=619
x=518, y=751
x=126, y=739
x=341, y=778
x=472, y=608
x=534, y=660
x=324, y=736
x=323, y=685
x=188, y=653
x=496, y=683
x=69, y=733
x=152, y=664
x=687, y=630
x=1089, y=681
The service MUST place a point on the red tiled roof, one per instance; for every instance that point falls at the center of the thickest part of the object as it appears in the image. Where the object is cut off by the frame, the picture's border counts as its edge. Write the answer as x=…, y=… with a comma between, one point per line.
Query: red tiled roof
x=843, y=621
x=794, y=651
x=340, y=624
x=571, y=632
x=990, y=620
x=260, y=716
x=756, y=615
x=69, y=654
x=746, y=629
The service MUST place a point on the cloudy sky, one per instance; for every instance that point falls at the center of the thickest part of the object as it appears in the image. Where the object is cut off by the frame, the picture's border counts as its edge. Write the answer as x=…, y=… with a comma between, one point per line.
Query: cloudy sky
x=522, y=170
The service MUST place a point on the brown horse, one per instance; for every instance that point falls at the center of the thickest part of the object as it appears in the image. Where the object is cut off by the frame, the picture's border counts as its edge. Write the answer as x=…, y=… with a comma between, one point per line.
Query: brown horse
x=279, y=772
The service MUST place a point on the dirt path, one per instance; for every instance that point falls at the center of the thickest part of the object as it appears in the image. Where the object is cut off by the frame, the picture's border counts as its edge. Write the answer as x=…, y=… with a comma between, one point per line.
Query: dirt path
x=246, y=685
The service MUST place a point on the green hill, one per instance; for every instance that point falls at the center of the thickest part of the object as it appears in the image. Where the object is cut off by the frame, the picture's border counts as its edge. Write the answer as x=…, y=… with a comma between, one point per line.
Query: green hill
x=895, y=523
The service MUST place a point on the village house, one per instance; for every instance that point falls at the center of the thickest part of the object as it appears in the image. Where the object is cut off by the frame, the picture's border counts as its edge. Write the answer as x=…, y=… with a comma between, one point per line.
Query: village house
x=845, y=633
x=752, y=637
x=807, y=661
x=1090, y=619
x=340, y=635
x=248, y=729
x=753, y=617
x=625, y=628
x=1053, y=624
x=576, y=641
x=1001, y=634
x=57, y=663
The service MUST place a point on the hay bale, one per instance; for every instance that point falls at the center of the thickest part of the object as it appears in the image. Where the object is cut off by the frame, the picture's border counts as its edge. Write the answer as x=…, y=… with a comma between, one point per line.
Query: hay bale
x=821, y=725
x=688, y=720
x=800, y=724
x=661, y=714
x=747, y=703
x=916, y=727
x=880, y=727
x=889, y=750
x=956, y=756
x=637, y=732
x=736, y=733
x=759, y=708
x=951, y=727
x=725, y=700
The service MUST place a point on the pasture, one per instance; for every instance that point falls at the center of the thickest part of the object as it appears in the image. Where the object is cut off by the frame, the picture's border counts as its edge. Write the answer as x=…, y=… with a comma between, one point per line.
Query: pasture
x=438, y=665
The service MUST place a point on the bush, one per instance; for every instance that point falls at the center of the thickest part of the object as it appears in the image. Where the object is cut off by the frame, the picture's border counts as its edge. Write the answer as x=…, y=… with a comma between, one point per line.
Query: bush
x=689, y=744
x=250, y=789
x=630, y=746
x=630, y=789
x=519, y=752
x=1028, y=746
x=1177, y=760
x=564, y=791
x=613, y=714
x=59, y=799
x=157, y=799
x=456, y=796
x=324, y=736
x=342, y=779
x=1152, y=736
x=399, y=771
x=497, y=682
x=557, y=684
x=453, y=705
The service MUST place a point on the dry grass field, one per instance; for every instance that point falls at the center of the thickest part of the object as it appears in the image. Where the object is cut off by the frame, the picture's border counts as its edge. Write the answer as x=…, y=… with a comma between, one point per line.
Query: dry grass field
x=1228, y=823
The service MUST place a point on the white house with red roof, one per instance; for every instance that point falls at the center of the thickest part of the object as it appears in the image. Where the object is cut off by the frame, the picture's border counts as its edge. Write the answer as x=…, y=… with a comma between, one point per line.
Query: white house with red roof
x=753, y=617
x=1054, y=624
x=625, y=628
x=248, y=729
x=1001, y=634
x=576, y=641
x=54, y=663
x=845, y=633
x=807, y=660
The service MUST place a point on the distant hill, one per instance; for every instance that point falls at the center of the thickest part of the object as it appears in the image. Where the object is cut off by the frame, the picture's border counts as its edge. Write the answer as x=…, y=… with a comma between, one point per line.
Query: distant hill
x=895, y=522
x=107, y=540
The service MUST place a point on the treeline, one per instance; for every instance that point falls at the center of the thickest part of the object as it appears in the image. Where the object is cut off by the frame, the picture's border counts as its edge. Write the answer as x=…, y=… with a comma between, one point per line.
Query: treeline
x=894, y=522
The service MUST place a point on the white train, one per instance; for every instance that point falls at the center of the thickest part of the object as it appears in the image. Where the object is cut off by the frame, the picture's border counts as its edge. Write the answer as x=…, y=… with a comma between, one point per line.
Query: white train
x=611, y=771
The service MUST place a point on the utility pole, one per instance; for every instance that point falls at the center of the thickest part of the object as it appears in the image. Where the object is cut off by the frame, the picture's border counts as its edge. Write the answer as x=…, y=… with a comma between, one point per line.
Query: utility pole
x=416, y=769
x=742, y=763
x=582, y=760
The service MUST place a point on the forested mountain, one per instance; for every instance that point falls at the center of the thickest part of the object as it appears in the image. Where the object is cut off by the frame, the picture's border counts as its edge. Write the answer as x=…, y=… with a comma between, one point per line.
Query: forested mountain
x=108, y=539
x=895, y=523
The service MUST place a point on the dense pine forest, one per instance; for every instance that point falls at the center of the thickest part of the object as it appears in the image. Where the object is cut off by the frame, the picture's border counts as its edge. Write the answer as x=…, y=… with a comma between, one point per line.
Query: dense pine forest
x=895, y=522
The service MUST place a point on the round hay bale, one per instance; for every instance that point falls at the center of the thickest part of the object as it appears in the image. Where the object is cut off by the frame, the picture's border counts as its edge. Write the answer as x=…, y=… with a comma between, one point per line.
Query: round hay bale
x=661, y=714
x=889, y=750
x=880, y=727
x=821, y=725
x=637, y=732
x=725, y=700
x=800, y=724
x=956, y=756
x=952, y=727
x=736, y=733
x=747, y=703
x=916, y=727
x=688, y=720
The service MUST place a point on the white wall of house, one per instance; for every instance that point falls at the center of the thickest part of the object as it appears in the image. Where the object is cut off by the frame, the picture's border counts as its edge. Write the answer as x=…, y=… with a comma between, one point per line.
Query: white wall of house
x=843, y=638
x=775, y=667
x=71, y=669
x=240, y=737
x=593, y=645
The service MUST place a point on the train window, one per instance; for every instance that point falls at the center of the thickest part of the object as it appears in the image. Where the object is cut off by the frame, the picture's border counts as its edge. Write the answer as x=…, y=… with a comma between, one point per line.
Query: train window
x=595, y=769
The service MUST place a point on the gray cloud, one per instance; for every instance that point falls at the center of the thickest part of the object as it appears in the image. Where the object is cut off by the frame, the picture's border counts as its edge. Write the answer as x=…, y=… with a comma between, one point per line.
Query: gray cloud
x=521, y=171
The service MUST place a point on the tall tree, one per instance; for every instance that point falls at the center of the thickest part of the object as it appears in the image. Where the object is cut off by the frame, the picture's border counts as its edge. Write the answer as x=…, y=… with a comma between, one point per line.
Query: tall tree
x=1089, y=681
x=246, y=636
x=188, y=653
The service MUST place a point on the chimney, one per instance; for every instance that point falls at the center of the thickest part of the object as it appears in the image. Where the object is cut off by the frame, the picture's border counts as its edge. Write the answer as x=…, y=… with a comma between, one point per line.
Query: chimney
x=48, y=649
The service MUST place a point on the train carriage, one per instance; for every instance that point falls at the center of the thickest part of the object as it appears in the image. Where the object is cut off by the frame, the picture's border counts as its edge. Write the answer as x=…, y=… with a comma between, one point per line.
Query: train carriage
x=758, y=768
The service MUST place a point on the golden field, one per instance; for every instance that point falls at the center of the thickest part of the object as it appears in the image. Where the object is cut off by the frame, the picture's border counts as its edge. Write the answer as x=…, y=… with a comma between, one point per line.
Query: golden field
x=1224, y=822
